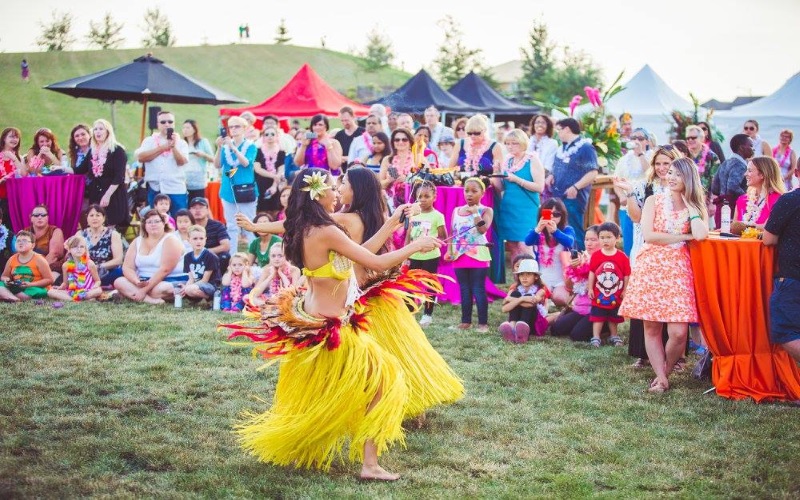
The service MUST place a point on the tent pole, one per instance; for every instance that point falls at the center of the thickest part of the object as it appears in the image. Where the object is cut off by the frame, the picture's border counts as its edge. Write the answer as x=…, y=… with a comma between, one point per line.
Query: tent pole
x=144, y=115
x=113, y=115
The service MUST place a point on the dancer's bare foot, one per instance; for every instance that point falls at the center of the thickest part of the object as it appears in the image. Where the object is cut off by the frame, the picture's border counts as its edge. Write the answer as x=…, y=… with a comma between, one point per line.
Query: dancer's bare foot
x=377, y=473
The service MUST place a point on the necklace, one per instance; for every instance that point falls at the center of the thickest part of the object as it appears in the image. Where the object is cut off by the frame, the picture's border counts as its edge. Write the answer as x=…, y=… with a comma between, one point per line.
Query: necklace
x=3, y=237
x=700, y=160
x=565, y=152
x=515, y=164
x=783, y=160
x=368, y=142
x=474, y=153
x=99, y=156
x=546, y=253
x=754, y=207
x=231, y=160
x=407, y=164
x=157, y=138
x=270, y=157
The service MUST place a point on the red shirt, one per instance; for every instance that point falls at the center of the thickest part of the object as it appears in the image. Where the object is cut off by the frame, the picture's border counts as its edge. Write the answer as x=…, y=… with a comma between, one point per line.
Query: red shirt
x=610, y=272
x=6, y=167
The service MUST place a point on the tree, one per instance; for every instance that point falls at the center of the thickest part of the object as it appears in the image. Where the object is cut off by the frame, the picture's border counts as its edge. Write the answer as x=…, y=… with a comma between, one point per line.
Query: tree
x=538, y=61
x=550, y=80
x=56, y=35
x=378, y=53
x=105, y=34
x=158, y=30
x=455, y=60
x=282, y=36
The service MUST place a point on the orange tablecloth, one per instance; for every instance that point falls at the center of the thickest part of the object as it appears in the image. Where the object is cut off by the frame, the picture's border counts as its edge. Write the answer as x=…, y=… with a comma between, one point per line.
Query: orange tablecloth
x=733, y=282
x=214, y=203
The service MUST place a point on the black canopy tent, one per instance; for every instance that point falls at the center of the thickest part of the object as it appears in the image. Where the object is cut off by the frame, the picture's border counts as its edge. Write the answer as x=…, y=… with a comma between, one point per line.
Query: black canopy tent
x=144, y=80
x=474, y=90
x=421, y=91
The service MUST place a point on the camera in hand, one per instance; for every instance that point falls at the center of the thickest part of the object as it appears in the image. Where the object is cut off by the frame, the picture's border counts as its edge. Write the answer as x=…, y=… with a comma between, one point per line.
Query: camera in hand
x=311, y=135
x=573, y=254
x=223, y=132
x=170, y=132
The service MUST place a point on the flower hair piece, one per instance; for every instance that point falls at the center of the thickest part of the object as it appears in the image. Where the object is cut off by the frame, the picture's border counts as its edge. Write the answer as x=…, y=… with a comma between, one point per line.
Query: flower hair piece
x=315, y=185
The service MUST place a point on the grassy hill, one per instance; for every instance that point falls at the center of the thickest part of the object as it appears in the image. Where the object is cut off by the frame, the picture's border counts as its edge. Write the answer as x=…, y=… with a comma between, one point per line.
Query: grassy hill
x=252, y=72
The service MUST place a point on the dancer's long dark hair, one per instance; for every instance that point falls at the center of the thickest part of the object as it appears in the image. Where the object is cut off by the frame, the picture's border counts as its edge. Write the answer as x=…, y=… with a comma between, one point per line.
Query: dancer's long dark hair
x=368, y=202
x=303, y=214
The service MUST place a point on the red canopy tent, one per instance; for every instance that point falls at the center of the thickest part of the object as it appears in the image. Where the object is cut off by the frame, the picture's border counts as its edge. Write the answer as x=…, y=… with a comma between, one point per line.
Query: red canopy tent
x=306, y=94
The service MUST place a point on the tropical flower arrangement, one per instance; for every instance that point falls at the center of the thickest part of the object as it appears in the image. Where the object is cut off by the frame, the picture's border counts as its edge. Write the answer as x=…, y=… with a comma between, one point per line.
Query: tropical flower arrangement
x=597, y=125
x=679, y=121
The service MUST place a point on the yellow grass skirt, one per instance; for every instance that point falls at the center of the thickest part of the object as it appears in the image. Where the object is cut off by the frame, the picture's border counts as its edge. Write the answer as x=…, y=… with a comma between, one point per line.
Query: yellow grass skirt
x=430, y=380
x=324, y=401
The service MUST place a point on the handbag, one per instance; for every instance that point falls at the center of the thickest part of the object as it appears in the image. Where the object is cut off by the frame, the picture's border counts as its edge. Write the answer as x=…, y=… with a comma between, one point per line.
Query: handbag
x=244, y=193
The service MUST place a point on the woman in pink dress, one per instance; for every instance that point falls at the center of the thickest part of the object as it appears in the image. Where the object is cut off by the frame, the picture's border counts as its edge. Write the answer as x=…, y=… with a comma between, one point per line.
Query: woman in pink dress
x=764, y=187
x=661, y=287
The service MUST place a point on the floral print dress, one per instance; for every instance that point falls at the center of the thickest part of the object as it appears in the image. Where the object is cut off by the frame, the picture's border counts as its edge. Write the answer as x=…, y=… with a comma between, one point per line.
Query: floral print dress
x=661, y=287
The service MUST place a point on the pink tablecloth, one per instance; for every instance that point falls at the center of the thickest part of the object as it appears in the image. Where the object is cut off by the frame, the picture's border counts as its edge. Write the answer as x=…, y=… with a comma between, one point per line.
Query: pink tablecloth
x=63, y=195
x=447, y=199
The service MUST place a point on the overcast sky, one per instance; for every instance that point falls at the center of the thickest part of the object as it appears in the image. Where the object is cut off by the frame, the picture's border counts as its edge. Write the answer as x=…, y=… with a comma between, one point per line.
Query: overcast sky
x=713, y=48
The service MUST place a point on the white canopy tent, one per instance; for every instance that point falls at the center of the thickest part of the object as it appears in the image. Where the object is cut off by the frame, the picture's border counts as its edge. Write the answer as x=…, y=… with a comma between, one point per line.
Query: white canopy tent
x=773, y=113
x=649, y=99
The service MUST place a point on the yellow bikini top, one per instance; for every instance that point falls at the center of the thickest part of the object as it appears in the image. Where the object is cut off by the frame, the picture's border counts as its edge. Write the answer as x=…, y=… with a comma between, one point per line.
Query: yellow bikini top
x=338, y=267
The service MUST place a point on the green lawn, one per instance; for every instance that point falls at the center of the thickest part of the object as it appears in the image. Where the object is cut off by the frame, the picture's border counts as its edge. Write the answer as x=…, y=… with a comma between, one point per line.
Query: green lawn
x=252, y=72
x=136, y=401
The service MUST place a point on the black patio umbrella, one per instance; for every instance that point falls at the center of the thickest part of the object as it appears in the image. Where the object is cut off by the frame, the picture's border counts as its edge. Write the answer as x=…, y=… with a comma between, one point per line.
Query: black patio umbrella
x=144, y=80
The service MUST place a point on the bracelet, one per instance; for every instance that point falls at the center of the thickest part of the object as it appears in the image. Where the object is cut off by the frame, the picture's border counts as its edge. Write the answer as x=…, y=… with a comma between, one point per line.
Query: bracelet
x=693, y=217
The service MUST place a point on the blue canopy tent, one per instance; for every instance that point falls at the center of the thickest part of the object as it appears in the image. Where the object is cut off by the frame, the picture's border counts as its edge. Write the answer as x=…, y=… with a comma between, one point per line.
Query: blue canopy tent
x=421, y=91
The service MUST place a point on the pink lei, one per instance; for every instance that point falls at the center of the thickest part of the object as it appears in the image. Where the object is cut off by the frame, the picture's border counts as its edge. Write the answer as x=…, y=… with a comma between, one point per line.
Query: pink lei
x=783, y=161
x=99, y=156
x=701, y=159
x=473, y=156
x=270, y=157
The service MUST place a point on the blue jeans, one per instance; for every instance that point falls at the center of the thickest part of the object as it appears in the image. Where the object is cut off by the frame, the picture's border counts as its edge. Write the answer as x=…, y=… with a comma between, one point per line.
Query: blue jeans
x=576, y=209
x=472, y=282
x=783, y=306
x=626, y=224
x=177, y=201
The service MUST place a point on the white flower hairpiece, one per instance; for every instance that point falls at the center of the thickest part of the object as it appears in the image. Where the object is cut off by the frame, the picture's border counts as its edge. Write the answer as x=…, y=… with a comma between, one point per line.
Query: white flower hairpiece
x=315, y=185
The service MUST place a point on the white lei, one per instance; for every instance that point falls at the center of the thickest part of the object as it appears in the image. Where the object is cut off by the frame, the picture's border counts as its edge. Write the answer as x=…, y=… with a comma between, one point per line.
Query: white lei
x=753, y=210
x=3, y=237
x=231, y=159
x=564, y=154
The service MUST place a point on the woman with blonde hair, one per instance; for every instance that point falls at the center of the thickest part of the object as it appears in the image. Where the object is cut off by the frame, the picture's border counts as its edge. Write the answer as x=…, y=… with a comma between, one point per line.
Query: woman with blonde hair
x=786, y=157
x=521, y=190
x=661, y=288
x=104, y=167
x=764, y=187
x=477, y=155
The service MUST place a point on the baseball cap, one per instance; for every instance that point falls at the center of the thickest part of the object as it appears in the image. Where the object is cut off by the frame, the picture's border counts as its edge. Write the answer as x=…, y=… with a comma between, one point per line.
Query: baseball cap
x=447, y=138
x=198, y=200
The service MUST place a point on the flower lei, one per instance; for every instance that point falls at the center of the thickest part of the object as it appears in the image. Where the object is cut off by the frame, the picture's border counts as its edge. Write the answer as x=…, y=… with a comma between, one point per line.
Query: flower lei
x=368, y=143
x=99, y=156
x=236, y=289
x=564, y=154
x=78, y=278
x=157, y=138
x=474, y=153
x=754, y=208
x=784, y=160
x=546, y=252
x=231, y=159
x=36, y=163
x=276, y=285
x=315, y=185
x=514, y=165
x=270, y=157
x=701, y=159
x=3, y=237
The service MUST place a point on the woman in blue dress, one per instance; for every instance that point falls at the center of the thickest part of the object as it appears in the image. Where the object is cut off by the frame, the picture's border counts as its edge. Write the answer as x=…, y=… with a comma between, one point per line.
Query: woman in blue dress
x=518, y=193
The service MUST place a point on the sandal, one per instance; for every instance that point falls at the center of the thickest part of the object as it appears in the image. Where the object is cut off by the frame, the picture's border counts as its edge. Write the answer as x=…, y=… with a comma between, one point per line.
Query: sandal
x=641, y=363
x=616, y=341
x=679, y=366
x=595, y=342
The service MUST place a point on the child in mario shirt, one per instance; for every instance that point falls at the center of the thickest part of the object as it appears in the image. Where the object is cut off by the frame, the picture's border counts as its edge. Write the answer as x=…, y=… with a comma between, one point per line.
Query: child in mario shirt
x=609, y=271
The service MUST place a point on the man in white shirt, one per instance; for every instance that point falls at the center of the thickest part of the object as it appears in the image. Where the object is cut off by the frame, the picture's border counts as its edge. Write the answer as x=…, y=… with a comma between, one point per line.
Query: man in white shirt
x=361, y=147
x=438, y=129
x=165, y=154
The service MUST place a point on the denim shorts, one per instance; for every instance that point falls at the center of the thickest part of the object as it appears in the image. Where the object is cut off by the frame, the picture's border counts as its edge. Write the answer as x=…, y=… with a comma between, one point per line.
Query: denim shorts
x=783, y=310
